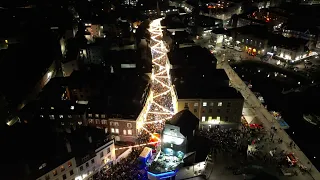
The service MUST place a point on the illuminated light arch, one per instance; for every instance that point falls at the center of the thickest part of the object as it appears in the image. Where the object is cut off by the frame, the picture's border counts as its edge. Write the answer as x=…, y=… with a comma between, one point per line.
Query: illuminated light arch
x=161, y=107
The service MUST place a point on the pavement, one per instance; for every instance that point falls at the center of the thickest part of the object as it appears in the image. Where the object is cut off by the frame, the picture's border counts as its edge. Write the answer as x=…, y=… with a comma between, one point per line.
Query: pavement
x=267, y=119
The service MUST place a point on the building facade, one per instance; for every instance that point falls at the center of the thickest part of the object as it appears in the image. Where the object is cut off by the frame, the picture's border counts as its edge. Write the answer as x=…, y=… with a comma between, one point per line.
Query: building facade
x=213, y=111
x=79, y=168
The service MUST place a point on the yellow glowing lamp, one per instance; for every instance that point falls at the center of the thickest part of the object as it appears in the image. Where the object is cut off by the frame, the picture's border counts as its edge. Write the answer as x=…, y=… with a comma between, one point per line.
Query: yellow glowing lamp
x=6, y=41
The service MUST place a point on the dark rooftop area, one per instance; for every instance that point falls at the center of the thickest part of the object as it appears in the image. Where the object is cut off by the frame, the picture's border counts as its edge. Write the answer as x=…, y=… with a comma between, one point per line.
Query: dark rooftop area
x=192, y=57
x=290, y=43
x=204, y=85
x=253, y=30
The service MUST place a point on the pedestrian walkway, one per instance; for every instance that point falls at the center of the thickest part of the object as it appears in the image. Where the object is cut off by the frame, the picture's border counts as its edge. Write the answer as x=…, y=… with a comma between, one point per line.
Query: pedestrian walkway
x=267, y=119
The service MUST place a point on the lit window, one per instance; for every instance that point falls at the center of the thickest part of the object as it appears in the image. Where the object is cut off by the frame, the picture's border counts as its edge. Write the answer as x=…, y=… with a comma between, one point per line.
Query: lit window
x=112, y=130
x=195, y=104
x=125, y=132
x=129, y=132
x=211, y=103
x=97, y=121
x=62, y=168
x=103, y=116
x=203, y=118
x=89, y=115
x=51, y=116
x=204, y=104
x=218, y=118
x=97, y=115
x=129, y=125
x=79, y=122
x=41, y=116
x=70, y=116
x=209, y=118
x=69, y=164
x=60, y=116
x=54, y=172
x=104, y=122
x=72, y=107
x=219, y=103
x=90, y=121
x=52, y=107
x=117, y=131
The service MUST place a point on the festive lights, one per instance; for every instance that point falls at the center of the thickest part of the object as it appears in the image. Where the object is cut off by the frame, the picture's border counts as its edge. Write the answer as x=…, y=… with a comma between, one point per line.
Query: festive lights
x=161, y=107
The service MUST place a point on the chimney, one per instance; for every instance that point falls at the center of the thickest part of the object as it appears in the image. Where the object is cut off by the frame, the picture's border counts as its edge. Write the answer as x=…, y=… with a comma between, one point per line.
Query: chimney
x=90, y=139
x=68, y=146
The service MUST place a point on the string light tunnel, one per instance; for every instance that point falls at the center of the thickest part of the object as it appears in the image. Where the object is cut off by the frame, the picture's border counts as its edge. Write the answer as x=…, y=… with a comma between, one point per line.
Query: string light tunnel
x=161, y=107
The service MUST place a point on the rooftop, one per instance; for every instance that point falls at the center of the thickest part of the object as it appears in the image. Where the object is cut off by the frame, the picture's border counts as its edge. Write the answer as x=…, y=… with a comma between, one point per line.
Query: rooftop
x=192, y=57
x=52, y=151
x=206, y=85
x=284, y=42
x=253, y=30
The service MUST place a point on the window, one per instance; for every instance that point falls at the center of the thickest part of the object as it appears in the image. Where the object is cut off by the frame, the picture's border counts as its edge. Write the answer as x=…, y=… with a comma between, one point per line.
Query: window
x=196, y=104
x=96, y=115
x=64, y=177
x=186, y=105
x=41, y=116
x=117, y=130
x=218, y=110
x=70, y=116
x=108, y=150
x=211, y=103
x=124, y=132
x=90, y=121
x=89, y=115
x=97, y=121
x=210, y=118
x=69, y=164
x=52, y=108
x=81, y=168
x=210, y=110
x=219, y=103
x=104, y=122
x=103, y=116
x=111, y=123
x=116, y=123
x=54, y=172
x=71, y=172
x=129, y=132
x=218, y=118
x=101, y=154
x=60, y=116
x=129, y=125
x=72, y=107
x=47, y=177
x=92, y=161
x=203, y=118
x=87, y=164
x=51, y=117
x=204, y=104
x=79, y=122
x=195, y=110
x=112, y=130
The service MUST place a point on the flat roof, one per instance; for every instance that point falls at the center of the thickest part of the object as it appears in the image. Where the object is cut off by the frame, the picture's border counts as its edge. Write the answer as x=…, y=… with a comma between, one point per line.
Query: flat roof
x=199, y=85
x=192, y=57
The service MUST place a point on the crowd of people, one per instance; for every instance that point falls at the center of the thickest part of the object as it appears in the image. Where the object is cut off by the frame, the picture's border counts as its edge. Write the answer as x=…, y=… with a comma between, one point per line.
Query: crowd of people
x=126, y=169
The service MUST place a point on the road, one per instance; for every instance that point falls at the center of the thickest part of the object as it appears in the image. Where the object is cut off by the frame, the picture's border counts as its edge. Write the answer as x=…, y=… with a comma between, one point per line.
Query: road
x=266, y=118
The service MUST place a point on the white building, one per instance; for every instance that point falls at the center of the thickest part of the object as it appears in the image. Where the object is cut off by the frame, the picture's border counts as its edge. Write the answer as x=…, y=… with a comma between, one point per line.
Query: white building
x=81, y=168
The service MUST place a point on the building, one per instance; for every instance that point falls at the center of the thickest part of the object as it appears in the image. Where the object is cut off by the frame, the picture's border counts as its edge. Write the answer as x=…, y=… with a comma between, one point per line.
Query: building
x=121, y=108
x=181, y=154
x=252, y=39
x=191, y=58
x=246, y=20
x=92, y=55
x=208, y=96
x=63, y=155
